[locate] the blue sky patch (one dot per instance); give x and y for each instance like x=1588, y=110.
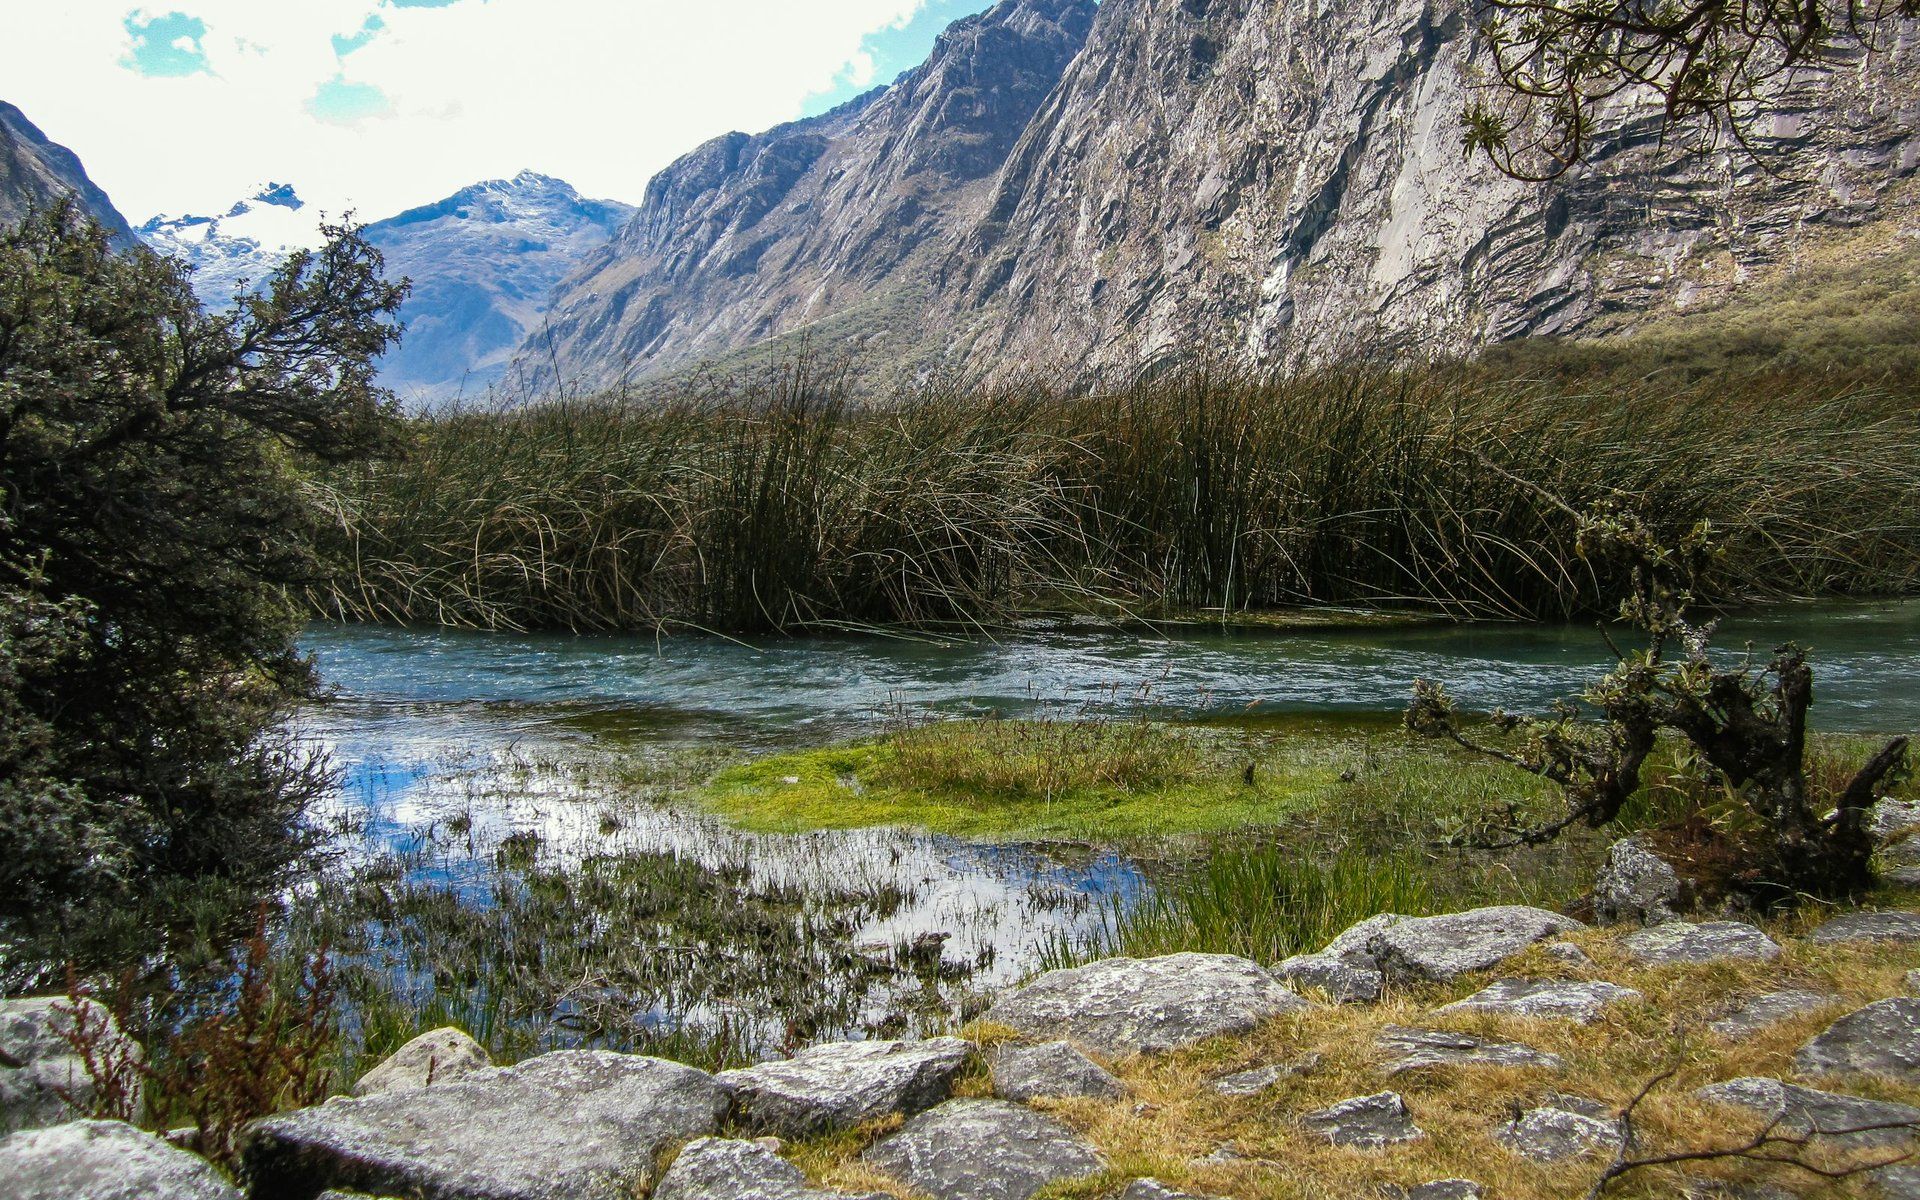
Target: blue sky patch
x=896, y=51
x=167, y=45
x=342, y=101
x=346, y=44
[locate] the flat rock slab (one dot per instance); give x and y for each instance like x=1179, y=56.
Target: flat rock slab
x=104, y=1160
x=1566, y=1000
x=1801, y=1112
x=1153, y=1189
x=1893, y=926
x=1121, y=1006
x=39, y=1070
x=1446, y=947
x=839, y=1084
x=1771, y=1008
x=1342, y=980
x=983, y=1150
x=436, y=1057
x=1368, y=1122
x=1242, y=1084
x=1880, y=1039
x=572, y=1125
x=1410, y=1049
x=1709, y=941
x=1050, y=1069
x=1898, y=1182
x=1439, y=1189
x=1556, y=1132
x=1890, y=816
x=725, y=1169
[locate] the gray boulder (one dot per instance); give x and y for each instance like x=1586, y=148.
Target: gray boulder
x=1120, y=1006
x=572, y=1125
x=1895, y=926
x=943, y=1152
x=1568, y=955
x=1565, y=1127
x=38, y=1066
x=1899, y=862
x=1343, y=980
x=1446, y=947
x=1411, y=1049
x=1880, y=1039
x=1898, y=1182
x=1368, y=1122
x=1050, y=1069
x=1153, y=1189
x=436, y=1057
x=104, y=1160
x=1709, y=941
x=1801, y=1112
x=1891, y=816
x=724, y=1169
x=1255, y=1080
x=1771, y=1008
x=1635, y=884
x=1911, y=980
x=839, y=1084
x=1444, y=1189
x=1543, y=998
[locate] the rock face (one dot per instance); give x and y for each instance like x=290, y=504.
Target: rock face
x=1636, y=884
x=1444, y=948
x=1410, y=1049
x=104, y=1160
x=484, y=263
x=840, y=1084
x=1711, y=941
x=1869, y=926
x=35, y=170
x=940, y=1154
x=437, y=1057
x=1060, y=187
x=1050, y=1069
x=1880, y=1039
x=1369, y=1122
x=1847, y=1120
x=38, y=1067
x=721, y=1169
x=1538, y=998
x=572, y=1125
x=1121, y=1006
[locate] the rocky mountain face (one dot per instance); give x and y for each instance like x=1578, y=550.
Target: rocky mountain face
x=239, y=248
x=483, y=262
x=834, y=223
x=35, y=170
x=1089, y=190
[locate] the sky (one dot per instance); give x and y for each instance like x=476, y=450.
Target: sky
x=375, y=106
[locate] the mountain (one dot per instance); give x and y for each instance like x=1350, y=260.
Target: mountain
x=483, y=263
x=241, y=247
x=1087, y=190
x=830, y=224
x=35, y=170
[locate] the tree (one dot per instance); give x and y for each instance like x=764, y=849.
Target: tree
x=1714, y=66
x=1747, y=725
x=152, y=519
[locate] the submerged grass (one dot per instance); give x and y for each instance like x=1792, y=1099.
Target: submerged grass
x=783, y=506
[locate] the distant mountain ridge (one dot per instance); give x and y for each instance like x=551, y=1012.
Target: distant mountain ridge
x=35, y=170
x=241, y=247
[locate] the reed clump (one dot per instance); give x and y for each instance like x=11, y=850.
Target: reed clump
x=785, y=507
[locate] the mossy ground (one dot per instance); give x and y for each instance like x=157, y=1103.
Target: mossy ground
x=1170, y=1117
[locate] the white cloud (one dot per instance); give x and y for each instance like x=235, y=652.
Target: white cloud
x=602, y=93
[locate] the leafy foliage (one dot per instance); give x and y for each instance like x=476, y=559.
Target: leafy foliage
x=152, y=516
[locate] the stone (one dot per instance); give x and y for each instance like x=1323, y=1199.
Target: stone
x=38, y=1067
x=1343, y=981
x=1153, y=1189
x=435, y=1057
x=1251, y=1082
x=1369, y=1122
x=1771, y=1008
x=1050, y=1069
x=840, y=1084
x=1636, y=884
x=1891, y=816
x=1912, y=981
x=725, y=1169
x=1444, y=948
x=1881, y=1039
x=1120, y=1006
x=571, y=1125
x=1850, y=1121
x=1446, y=1189
x=1543, y=998
x=1567, y=955
x=1728, y=1189
x=1709, y=941
x=1898, y=1182
x=939, y=1153
x=1410, y=1049
x=1566, y=1127
x=1868, y=927
x=104, y=1160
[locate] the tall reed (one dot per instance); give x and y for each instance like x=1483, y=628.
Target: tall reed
x=782, y=506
